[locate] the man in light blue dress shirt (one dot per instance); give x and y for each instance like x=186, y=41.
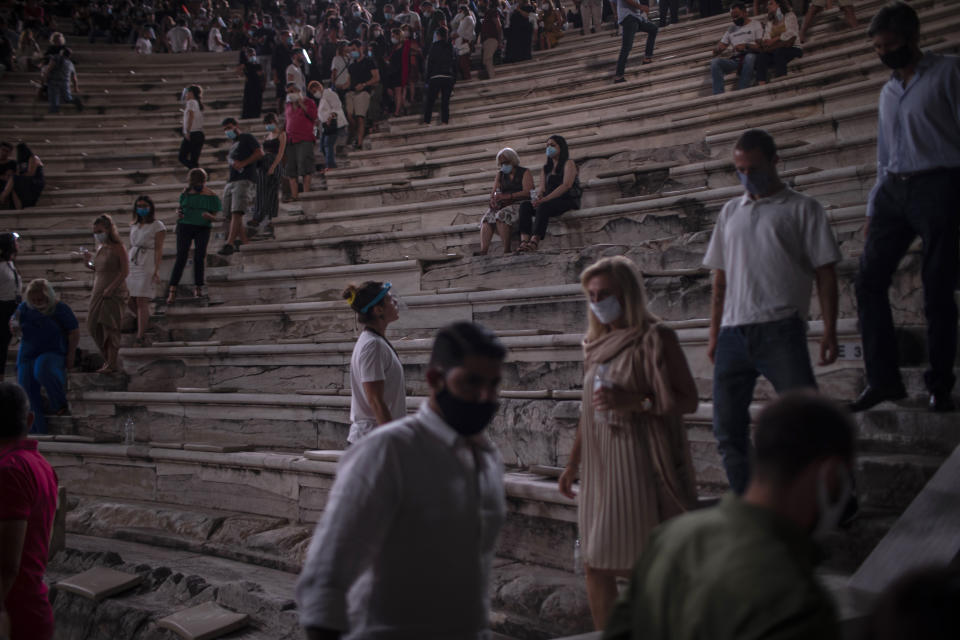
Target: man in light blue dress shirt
x=917, y=194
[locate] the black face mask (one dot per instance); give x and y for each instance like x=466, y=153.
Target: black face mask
x=898, y=58
x=466, y=418
x=738, y=21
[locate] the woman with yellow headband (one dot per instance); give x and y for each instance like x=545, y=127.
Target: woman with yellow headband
x=376, y=375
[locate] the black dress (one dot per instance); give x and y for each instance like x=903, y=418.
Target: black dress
x=519, y=36
x=252, y=90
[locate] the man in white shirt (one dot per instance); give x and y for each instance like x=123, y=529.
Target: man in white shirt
x=405, y=545
x=294, y=72
x=179, y=38
x=767, y=248
x=743, y=39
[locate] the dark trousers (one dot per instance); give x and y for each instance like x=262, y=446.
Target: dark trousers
x=444, y=87
x=671, y=6
x=630, y=26
x=776, y=350
x=534, y=222
x=7, y=307
x=190, y=150
x=463, y=62
x=710, y=8
x=777, y=59
x=200, y=237
x=928, y=206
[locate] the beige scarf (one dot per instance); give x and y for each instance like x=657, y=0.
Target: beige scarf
x=636, y=361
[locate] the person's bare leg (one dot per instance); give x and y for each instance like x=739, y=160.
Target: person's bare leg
x=486, y=234
x=294, y=192
x=360, y=125
x=504, y=231
x=17, y=204
x=306, y=183
x=7, y=191
x=808, y=21
x=851, y=16
x=601, y=595
x=143, y=316
x=241, y=228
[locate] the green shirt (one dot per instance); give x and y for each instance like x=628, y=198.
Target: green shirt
x=194, y=205
x=735, y=571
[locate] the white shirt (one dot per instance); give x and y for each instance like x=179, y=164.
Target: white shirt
x=329, y=104
x=194, y=106
x=144, y=46
x=295, y=75
x=214, y=39
x=406, y=542
x=180, y=39
x=10, y=282
x=373, y=359
x=747, y=34
x=769, y=249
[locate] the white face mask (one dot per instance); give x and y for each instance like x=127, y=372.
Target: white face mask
x=318, y=94
x=830, y=513
x=101, y=238
x=293, y=97
x=607, y=310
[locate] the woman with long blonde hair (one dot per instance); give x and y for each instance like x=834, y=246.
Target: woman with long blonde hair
x=111, y=268
x=631, y=448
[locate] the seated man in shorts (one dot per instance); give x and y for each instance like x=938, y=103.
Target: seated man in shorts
x=363, y=76
x=240, y=194
x=816, y=7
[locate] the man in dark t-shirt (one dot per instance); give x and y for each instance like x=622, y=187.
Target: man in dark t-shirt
x=240, y=194
x=364, y=75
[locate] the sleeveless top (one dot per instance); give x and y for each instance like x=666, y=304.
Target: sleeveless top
x=511, y=184
x=271, y=146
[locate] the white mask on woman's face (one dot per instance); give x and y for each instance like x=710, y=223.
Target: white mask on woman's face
x=100, y=237
x=608, y=310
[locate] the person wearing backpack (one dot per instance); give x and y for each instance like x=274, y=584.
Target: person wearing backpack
x=440, y=76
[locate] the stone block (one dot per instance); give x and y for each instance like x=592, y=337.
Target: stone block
x=204, y=622
x=99, y=583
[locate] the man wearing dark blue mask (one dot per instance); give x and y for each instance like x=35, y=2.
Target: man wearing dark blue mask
x=767, y=249
x=406, y=541
x=916, y=194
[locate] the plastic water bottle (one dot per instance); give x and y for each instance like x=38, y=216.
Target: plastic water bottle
x=577, y=558
x=600, y=381
x=128, y=431
x=533, y=195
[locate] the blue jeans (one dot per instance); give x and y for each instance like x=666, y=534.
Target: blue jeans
x=720, y=67
x=58, y=95
x=630, y=26
x=328, y=142
x=48, y=370
x=778, y=351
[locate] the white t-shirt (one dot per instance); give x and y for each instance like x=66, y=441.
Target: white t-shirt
x=180, y=39
x=144, y=46
x=10, y=282
x=214, y=39
x=373, y=359
x=747, y=34
x=295, y=75
x=769, y=249
x=194, y=106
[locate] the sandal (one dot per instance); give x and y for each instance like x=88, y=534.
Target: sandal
x=524, y=246
x=533, y=244
x=172, y=296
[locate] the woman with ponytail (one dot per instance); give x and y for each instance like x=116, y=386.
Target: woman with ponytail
x=199, y=207
x=376, y=375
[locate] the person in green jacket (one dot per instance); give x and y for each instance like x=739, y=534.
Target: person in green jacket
x=198, y=209
x=744, y=569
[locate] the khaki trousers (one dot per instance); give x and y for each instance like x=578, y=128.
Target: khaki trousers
x=490, y=46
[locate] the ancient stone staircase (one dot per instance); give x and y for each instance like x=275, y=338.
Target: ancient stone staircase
x=231, y=398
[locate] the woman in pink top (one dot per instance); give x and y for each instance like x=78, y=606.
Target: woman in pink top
x=28, y=486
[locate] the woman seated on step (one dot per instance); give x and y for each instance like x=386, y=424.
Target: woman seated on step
x=23, y=189
x=111, y=267
x=511, y=187
x=631, y=448
x=378, y=391
x=48, y=343
x=199, y=207
x=561, y=192
x=146, y=253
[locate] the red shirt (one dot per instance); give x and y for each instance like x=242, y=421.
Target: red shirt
x=300, y=121
x=28, y=491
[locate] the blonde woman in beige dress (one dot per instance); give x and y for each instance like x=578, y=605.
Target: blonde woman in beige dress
x=111, y=268
x=631, y=449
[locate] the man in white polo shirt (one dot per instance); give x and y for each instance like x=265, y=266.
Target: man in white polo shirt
x=768, y=247
x=743, y=41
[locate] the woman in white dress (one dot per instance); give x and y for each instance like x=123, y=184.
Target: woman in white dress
x=378, y=390
x=146, y=253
